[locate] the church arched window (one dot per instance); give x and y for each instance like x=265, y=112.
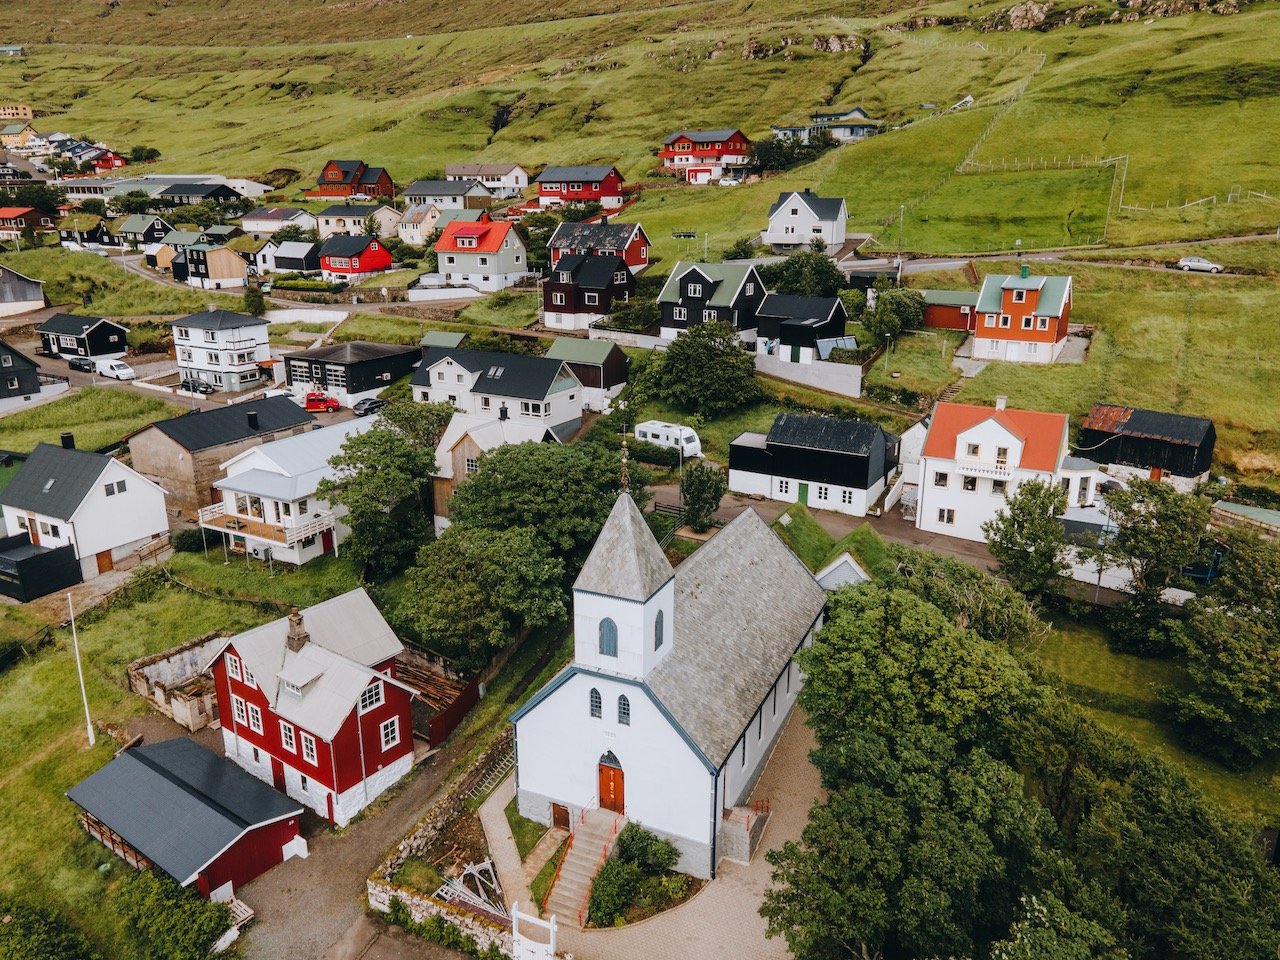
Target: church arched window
x=624, y=711
x=608, y=638
x=597, y=705
x=657, y=631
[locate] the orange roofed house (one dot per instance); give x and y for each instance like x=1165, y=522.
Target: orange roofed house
x=975, y=457
x=487, y=255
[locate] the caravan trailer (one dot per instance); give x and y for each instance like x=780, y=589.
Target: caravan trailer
x=673, y=435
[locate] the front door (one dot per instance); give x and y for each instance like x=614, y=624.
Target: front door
x=33, y=529
x=326, y=541
x=795, y=354
x=804, y=494
x=560, y=816
x=104, y=561
x=277, y=774
x=611, y=793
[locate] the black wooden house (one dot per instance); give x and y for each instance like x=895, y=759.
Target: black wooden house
x=795, y=322
x=66, y=335
x=349, y=371
x=19, y=375
x=1163, y=443
x=697, y=293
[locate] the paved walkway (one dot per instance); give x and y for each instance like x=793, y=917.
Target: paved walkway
x=502, y=845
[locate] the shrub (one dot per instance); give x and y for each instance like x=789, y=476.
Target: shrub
x=308, y=284
x=614, y=889
x=675, y=886
x=32, y=932
x=187, y=541
x=652, y=855
x=169, y=921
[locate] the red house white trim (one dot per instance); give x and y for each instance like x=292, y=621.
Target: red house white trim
x=588, y=184
x=704, y=156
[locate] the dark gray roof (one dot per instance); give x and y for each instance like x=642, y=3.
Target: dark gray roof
x=67, y=324
x=501, y=374
x=195, y=189
x=825, y=208
x=797, y=308
x=626, y=560
x=219, y=320
x=443, y=188
x=179, y=805
x=350, y=210
x=587, y=173
x=593, y=236
x=349, y=170
x=54, y=481
x=702, y=136
x=353, y=352
x=341, y=245
x=212, y=428
x=1150, y=424
x=592, y=272
x=19, y=359
x=828, y=433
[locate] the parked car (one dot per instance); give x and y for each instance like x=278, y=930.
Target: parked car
x=83, y=364
x=197, y=386
x=320, y=403
x=729, y=181
x=116, y=369
x=674, y=435
x=1199, y=263
x=361, y=196
x=369, y=405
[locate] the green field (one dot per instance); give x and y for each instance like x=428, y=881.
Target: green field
x=98, y=416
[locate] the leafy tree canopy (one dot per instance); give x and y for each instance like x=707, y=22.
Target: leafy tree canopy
x=706, y=371
x=702, y=487
x=1028, y=539
x=806, y=274
x=32, y=932
x=170, y=922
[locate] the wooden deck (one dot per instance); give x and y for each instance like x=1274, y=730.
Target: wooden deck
x=245, y=527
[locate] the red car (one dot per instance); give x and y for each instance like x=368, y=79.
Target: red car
x=320, y=403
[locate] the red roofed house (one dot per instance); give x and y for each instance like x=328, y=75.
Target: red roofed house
x=314, y=707
x=487, y=254
x=14, y=220
x=344, y=259
x=1021, y=318
x=598, y=184
x=975, y=457
x=352, y=178
x=704, y=156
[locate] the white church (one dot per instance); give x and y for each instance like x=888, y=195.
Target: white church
x=680, y=682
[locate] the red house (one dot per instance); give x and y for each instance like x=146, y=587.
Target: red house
x=344, y=258
x=351, y=178
x=949, y=309
x=178, y=808
x=314, y=707
x=108, y=160
x=14, y=220
x=1023, y=318
x=602, y=239
x=704, y=156
x=560, y=185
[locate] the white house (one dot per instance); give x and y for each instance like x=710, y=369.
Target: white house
x=106, y=510
x=419, y=223
x=349, y=219
x=499, y=386
x=264, y=221
x=680, y=683
x=798, y=218
x=267, y=502
x=487, y=255
x=502, y=180
x=448, y=194
x=974, y=458
x=223, y=348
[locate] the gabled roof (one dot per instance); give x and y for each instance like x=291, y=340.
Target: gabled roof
x=1149, y=424
x=626, y=560
x=203, y=429
x=178, y=804
x=1042, y=434
x=798, y=308
x=219, y=320
x=195, y=189
x=138, y=223
x=588, y=174
x=418, y=213
x=8, y=213
x=79, y=221
x=702, y=136
x=514, y=375
x=354, y=209
x=273, y=213
x=354, y=351
x=824, y=208
x=834, y=434
x=727, y=277
x=1054, y=292
x=181, y=238
x=54, y=481
x=341, y=245
x=296, y=250
x=352, y=172
x=444, y=188
x=487, y=434
x=442, y=338
x=291, y=468
x=347, y=638
x=17, y=359
x=70, y=325
x=593, y=236
x=479, y=169
x=573, y=350
x=591, y=272
x=489, y=235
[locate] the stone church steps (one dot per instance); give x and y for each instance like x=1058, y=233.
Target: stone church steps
x=581, y=865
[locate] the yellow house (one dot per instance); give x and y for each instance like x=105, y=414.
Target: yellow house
x=16, y=134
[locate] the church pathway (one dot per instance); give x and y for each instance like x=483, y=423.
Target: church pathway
x=502, y=845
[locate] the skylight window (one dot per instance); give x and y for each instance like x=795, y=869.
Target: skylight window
x=496, y=372
x=48, y=484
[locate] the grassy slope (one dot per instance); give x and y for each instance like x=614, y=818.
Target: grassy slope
x=96, y=415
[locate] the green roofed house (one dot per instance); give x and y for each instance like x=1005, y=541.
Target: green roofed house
x=441, y=338
x=1022, y=318
x=704, y=292
x=141, y=229
x=601, y=365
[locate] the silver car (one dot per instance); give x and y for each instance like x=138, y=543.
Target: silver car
x=1199, y=263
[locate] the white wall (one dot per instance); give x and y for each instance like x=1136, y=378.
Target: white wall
x=787, y=490
x=122, y=520
x=1015, y=351
x=635, y=622
x=738, y=777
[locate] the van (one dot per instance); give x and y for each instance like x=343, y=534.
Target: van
x=116, y=370
x=673, y=435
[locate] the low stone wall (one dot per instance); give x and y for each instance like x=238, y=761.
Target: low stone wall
x=484, y=931
x=628, y=339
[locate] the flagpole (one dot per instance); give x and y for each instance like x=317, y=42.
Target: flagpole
x=84, y=696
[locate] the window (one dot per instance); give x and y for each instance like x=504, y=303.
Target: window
x=608, y=638
x=1026, y=323
x=679, y=313
x=390, y=733
x=308, y=748
x=743, y=761
x=824, y=493
x=998, y=487
x=972, y=450
x=695, y=290
x=657, y=630
x=620, y=277
x=970, y=483
x=591, y=298
x=484, y=261
x=558, y=299
x=371, y=696
x=485, y=402
x=255, y=718
x=946, y=515
x=286, y=737
x=784, y=486
x=305, y=783
x=1004, y=321
x=1019, y=296
x=233, y=666
x=49, y=529
x=940, y=479
x=1033, y=349
x=210, y=337
x=440, y=375
x=708, y=316
x=22, y=523
x=990, y=320
x=248, y=677
x=6, y=360
x=472, y=465
x=184, y=333
x=846, y=497
x=597, y=707
x=237, y=708
x=750, y=289
x=624, y=711
x=1002, y=456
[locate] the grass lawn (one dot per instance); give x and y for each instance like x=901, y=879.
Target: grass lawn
x=245, y=577
x=392, y=280
x=418, y=874
x=98, y=416
x=804, y=535
x=1252, y=256
x=527, y=832
x=514, y=310
x=924, y=361
x=385, y=328
x=541, y=884
x=865, y=546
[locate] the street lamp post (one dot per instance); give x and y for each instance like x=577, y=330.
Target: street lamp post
x=886, y=353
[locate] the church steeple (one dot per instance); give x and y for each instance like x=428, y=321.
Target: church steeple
x=626, y=560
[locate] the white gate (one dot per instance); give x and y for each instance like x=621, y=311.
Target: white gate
x=526, y=948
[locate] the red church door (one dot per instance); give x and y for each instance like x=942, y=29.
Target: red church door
x=326, y=541
x=611, y=792
x=277, y=774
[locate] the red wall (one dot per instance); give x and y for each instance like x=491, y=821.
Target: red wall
x=251, y=856
x=610, y=186
x=946, y=317
x=1017, y=312
x=367, y=728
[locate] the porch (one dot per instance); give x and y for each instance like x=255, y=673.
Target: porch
x=216, y=518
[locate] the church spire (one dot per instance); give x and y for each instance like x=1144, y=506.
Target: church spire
x=626, y=480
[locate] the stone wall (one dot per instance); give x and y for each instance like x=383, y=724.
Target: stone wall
x=420, y=906
x=154, y=677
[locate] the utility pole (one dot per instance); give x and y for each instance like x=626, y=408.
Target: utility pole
x=902, y=212
x=84, y=696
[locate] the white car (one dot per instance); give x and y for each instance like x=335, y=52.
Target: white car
x=1199, y=263
x=729, y=182
x=115, y=369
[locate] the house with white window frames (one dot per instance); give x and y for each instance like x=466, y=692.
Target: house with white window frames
x=222, y=348
x=798, y=218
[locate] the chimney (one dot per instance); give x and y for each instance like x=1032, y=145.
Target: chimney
x=252, y=417
x=297, y=636
x=502, y=412
x=1025, y=271
x=1001, y=402
x=68, y=441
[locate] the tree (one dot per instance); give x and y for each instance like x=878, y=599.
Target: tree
x=135, y=201
x=637, y=315
x=293, y=232
x=44, y=198
x=141, y=154
x=564, y=493
x=1048, y=930
x=472, y=591
x=1028, y=539
x=168, y=921
x=806, y=274
x=94, y=206
x=371, y=226
x=1157, y=531
x=741, y=249
x=895, y=311
x=254, y=303
x=818, y=245
x=701, y=488
x=706, y=371
x=33, y=932
x=855, y=303
x=423, y=424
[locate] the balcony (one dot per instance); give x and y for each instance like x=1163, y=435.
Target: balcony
x=215, y=517
x=991, y=469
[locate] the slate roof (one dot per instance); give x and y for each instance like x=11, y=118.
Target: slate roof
x=443, y=188
x=70, y=325
x=219, y=320
x=743, y=604
x=592, y=272
x=1054, y=292
x=178, y=804
x=501, y=374
x=592, y=236
x=626, y=560
x=348, y=637
x=824, y=208
x=341, y=245
x=588, y=174
x=836, y=434
x=573, y=350
x=1150, y=424
x=204, y=429
x=798, y=308
x=702, y=136
x=727, y=278
x=354, y=351
x=54, y=481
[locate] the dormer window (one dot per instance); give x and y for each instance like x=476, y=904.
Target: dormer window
x=564, y=276
x=695, y=290
x=1019, y=296
x=292, y=688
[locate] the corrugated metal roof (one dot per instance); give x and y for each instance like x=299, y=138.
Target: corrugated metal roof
x=353, y=351
x=1054, y=292
x=487, y=434
x=1150, y=424
x=573, y=350
x=291, y=468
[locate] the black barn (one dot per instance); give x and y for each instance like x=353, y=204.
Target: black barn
x=1148, y=439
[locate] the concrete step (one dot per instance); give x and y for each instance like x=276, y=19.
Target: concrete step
x=594, y=835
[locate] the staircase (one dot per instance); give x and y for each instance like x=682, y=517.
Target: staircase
x=948, y=394
x=590, y=845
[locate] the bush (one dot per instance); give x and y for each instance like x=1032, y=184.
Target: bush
x=168, y=921
x=308, y=284
x=32, y=932
x=651, y=854
x=187, y=541
x=607, y=435
x=614, y=889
